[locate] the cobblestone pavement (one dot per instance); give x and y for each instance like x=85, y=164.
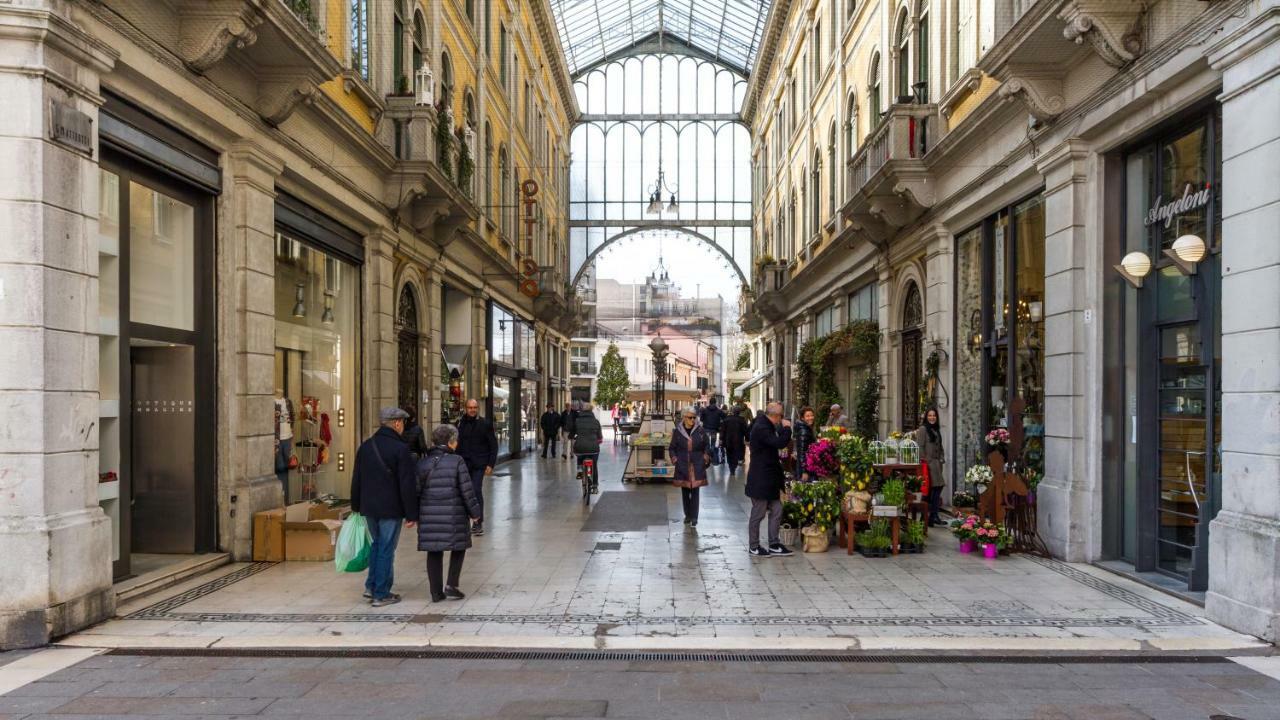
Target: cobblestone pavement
x=117, y=686
x=549, y=571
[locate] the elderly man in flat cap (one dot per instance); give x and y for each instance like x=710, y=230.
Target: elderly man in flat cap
x=384, y=489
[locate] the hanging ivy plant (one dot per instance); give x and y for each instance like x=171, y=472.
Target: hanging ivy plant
x=866, y=408
x=444, y=139
x=816, y=360
x=465, y=165
x=806, y=364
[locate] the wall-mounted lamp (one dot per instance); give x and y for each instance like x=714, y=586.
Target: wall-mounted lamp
x=1133, y=267
x=327, y=316
x=1035, y=309
x=342, y=417
x=342, y=462
x=1186, y=252
x=300, y=306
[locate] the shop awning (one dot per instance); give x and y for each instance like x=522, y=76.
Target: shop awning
x=754, y=381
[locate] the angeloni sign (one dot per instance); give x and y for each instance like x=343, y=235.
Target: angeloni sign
x=1166, y=212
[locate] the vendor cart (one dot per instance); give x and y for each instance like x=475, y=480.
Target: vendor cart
x=647, y=458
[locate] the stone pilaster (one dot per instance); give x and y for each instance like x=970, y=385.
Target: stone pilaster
x=478, y=385
x=246, y=329
x=380, y=318
x=433, y=297
x=939, y=319
x=1244, y=539
x=55, y=541
x=1070, y=515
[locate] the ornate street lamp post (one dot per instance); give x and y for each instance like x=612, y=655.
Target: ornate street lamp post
x=660, y=351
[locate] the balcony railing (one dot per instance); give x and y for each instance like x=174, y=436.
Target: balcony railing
x=583, y=368
x=906, y=132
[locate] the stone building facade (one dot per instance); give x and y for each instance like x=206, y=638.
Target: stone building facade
x=982, y=167
x=231, y=224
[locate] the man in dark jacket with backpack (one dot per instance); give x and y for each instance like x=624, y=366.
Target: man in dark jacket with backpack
x=478, y=446
x=384, y=488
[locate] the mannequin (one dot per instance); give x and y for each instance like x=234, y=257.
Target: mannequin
x=284, y=439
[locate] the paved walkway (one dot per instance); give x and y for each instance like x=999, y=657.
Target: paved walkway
x=119, y=686
x=550, y=572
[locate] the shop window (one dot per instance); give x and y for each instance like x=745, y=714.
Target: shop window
x=161, y=259
x=862, y=303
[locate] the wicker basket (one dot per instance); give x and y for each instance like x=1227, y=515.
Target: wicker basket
x=789, y=536
x=815, y=539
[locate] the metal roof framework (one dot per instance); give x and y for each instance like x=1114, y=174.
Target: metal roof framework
x=593, y=31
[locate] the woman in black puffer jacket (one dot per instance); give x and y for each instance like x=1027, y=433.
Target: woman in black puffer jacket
x=447, y=504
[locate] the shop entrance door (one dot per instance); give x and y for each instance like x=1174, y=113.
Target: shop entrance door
x=912, y=364
x=1182, y=464
x=410, y=370
x=163, y=454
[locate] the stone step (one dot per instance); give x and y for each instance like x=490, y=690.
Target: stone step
x=166, y=577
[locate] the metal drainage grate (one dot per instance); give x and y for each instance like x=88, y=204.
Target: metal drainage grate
x=608, y=546
x=675, y=656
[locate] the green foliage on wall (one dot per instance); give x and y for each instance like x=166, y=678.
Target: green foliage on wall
x=816, y=377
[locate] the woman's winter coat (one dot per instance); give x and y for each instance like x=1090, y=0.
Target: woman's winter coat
x=447, y=502
x=689, y=451
x=765, y=476
x=932, y=454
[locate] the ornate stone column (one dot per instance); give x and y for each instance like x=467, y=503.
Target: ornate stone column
x=380, y=319
x=1244, y=539
x=55, y=541
x=246, y=327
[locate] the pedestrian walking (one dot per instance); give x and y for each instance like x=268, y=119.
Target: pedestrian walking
x=587, y=436
x=765, y=479
x=933, y=455
x=733, y=438
x=837, y=418
x=478, y=447
x=550, y=424
x=384, y=489
x=689, y=449
x=566, y=427
x=413, y=433
x=712, y=417
x=805, y=433
x=447, y=505
x=616, y=415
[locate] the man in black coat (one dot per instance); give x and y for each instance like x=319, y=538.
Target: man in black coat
x=712, y=417
x=765, y=479
x=478, y=447
x=733, y=438
x=568, y=421
x=550, y=424
x=384, y=488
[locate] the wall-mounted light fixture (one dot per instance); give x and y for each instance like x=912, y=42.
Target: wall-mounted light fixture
x=1133, y=267
x=300, y=306
x=342, y=462
x=342, y=417
x=1186, y=252
x=327, y=316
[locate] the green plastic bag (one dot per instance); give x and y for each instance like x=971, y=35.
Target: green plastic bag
x=354, y=542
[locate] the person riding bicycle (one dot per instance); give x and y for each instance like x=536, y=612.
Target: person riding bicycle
x=587, y=436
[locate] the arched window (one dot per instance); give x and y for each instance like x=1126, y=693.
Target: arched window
x=922, y=50
x=398, y=75
x=469, y=108
x=792, y=229
x=408, y=349
x=873, y=92
x=851, y=126
x=419, y=40
x=912, y=308
x=446, y=80
x=902, y=61
x=488, y=168
x=504, y=186
x=912, y=344
x=815, y=194
x=831, y=174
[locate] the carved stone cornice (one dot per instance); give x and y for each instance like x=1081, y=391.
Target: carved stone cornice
x=279, y=96
x=966, y=85
x=211, y=30
x=1113, y=28
x=1038, y=89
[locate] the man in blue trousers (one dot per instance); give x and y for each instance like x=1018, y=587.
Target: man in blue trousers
x=384, y=488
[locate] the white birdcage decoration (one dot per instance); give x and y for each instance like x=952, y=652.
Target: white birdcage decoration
x=877, y=452
x=908, y=452
x=426, y=82
x=891, y=450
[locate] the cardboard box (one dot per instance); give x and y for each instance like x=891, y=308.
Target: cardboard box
x=320, y=511
x=310, y=541
x=298, y=512
x=268, y=536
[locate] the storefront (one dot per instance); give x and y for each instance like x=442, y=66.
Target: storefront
x=1000, y=325
x=317, y=356
x=513, y=381
x=1162, y=388
x=157, y=189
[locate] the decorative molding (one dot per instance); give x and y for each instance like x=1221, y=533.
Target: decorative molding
x=207, y=37
x=1039, y=90
x=1113, y=29
x=963, y=87
x=278, y=98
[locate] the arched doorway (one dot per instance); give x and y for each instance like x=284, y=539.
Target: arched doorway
x=408, y=339
x=912, y=360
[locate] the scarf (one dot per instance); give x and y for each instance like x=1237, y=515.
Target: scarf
x=935, y=432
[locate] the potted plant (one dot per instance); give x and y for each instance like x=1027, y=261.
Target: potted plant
x=793, y=518
x=964, y=529
x=915, y=487
x=402, y=86
x=979, y=477
x=874, y=542
x=820, y=503
x=764, y=260
x=998, y=440
x=913, y=537
x=891, y=498
x=821, y=460
x=992, y=537
x=962, y=500
x=856, y=463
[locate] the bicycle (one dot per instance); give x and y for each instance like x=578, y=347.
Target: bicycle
x=587, y=476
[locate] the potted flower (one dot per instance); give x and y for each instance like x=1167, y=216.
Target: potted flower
x=979, y=477
x=820, y=503
x=856, y=464
x=998, y=440
x=964, y=530
x=793, y=518
x=992, y=537
x=821, y=460
x=875, y=542
x=1033, y=479
x=915, y=486
x=913, y=537
x=962, y=500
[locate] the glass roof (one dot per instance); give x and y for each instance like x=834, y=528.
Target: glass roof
x=726, y=30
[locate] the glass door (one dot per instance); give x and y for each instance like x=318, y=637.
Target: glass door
x=1181, y=446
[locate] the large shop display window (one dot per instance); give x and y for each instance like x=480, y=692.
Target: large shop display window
x=317, y=367
x=1000, y=313
x=1165, y=399
x=513, y=380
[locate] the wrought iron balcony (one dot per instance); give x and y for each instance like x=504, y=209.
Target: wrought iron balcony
x=421, y=183
x=887, y=182
x=768, y=301
x=583, y=368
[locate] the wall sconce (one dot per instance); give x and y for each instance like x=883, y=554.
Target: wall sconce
x=1186, y=253
x=327, y=316
x=1133, y=267
x=1035, y=309
x=975, y=331
x=342, y=462
x=342, y=417
x=300, y=307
